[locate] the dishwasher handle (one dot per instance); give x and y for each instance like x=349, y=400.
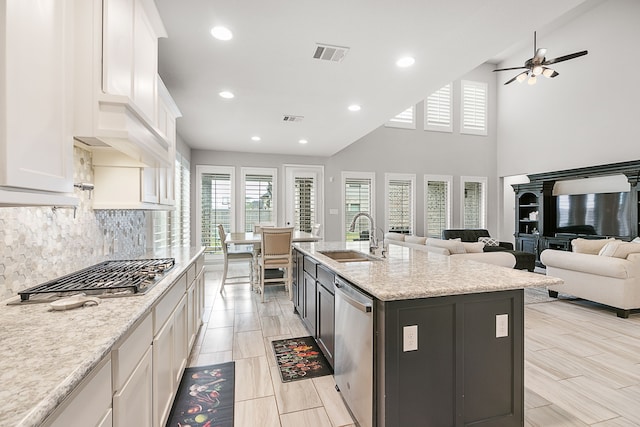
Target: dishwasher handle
x=364, y=307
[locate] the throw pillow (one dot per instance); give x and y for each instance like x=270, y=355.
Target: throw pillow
x=489, y=241
x=475, y=247
x=636, y=240
x=620, y=249
x=454, y=246
x=589, y=246
x=415, y=239
x=394, y=236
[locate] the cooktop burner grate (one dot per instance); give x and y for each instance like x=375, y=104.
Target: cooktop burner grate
x=136, y=276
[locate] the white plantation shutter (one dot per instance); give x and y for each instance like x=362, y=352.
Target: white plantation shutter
x=437, y=204
x=357, y=198
x=399, y=204
x=406, y=119
x=474, y=108
x=180, y=217
x=437, y=110
x=474, y=203
x=305, y=216
x=216, y=208
x=258, y=201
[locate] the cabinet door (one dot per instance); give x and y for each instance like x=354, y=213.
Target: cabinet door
x=133, y=405
x=150, y=185
x=117, y=47
x=181, y=341
x=145, y=62
x=163, y=380
x=326, y=322
x=309, y=303
x=192, y=307
x=36, y=139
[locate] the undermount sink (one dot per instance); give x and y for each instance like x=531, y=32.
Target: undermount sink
x=348, y=255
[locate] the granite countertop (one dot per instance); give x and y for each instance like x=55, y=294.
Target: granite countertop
x=46, y=353
x=410, y=274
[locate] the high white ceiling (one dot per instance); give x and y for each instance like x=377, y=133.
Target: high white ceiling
x=269, y=63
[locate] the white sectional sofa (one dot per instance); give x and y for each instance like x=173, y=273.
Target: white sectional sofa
x=604, y=271
x=462, y=250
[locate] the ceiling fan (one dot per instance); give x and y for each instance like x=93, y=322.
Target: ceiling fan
x=538, y=65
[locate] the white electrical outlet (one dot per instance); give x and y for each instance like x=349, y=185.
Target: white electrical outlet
x=333, y=211
x=410, y=338
x=502, y=325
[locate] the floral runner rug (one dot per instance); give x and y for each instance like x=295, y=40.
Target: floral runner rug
x=205, y=397
x=300, y=358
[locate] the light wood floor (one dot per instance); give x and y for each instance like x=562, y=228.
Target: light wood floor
x=582, y=363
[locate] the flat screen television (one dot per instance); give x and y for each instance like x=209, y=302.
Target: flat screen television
x=602, y=214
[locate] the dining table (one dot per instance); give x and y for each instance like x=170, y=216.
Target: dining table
x=255, y=239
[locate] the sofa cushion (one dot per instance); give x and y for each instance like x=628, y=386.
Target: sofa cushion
x=466, y=234
x=488, y=241
x=589, y=263
x=415, y=239
x=589, y=246
x=472, y=248
x=395, y=236
x=454, y=246
x=619, y=249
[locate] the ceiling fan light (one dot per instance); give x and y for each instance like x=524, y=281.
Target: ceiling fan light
x=548, y=72
x=532, y=80
x=521, y=77
x=537, y=70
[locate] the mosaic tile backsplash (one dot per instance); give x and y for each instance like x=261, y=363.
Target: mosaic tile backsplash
x=38, y=244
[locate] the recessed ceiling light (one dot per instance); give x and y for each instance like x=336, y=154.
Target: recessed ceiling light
x=405, y=62
x=221, y=33
x=354, y=107
x=255, y=138
x=226, y=94
x=303, y=141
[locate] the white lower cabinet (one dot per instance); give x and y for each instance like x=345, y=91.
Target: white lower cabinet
x=89, y=404
x=163, y=382
x=181, y=342
x=133, y=405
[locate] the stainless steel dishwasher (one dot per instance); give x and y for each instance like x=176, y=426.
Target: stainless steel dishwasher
x=353, y=359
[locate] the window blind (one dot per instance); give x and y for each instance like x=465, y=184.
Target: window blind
x=216, y=208
x=400, y=205
x=180, y=217
x=258, y=190
x=405, y=119
x=474, y=108
x=305, y=216
x=437, y=210
x=438, y=107
x=357, y=195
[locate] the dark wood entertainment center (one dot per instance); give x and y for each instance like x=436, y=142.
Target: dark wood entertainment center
x=535, y=234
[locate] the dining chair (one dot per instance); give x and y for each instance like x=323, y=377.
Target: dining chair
x=257, y=228
x=276, y=252
x=234, y=255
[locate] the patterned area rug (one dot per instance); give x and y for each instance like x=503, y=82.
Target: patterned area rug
x=537, y=295
x=300, y=358
x=205, y=397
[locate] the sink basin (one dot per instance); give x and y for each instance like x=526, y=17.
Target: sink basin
x=348, y=255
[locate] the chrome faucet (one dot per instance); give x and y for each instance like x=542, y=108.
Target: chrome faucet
x=373, y=242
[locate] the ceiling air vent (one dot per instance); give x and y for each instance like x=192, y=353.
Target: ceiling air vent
x=327, y=52
x=291, y=118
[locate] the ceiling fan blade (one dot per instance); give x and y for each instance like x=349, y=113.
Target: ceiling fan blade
x=549, y=73
x=512, y=68
x=565, y=58
x=539, y=56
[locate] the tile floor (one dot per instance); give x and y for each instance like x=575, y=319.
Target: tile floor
x=582, y=363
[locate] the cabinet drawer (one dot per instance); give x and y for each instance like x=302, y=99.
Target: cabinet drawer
x=199, y=264
x=168, y=303
x=310, y=265
x=127, y=356
x=325, y=278
x=191, y=274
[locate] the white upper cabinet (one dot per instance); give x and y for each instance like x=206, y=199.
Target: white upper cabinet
x=36, y=76
x=116, y=95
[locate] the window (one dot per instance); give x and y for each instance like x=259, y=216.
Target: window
x=180, y=217
x=216, y=203
x=405, y=120
x=437, y=204
x=259, y=187
x=474, y=108
x=358, y=190
x=437, y=110
x=304, y=204
x=474, y=201
x=399, y=203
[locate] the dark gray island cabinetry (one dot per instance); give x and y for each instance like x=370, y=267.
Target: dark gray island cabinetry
x=448, y=335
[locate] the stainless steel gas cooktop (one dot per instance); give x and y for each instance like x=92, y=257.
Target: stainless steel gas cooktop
x=108, y=278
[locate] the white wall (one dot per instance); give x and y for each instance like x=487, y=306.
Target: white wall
x=585, y=116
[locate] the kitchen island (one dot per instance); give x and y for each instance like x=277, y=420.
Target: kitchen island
x=46, y=354
x=447, y=335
